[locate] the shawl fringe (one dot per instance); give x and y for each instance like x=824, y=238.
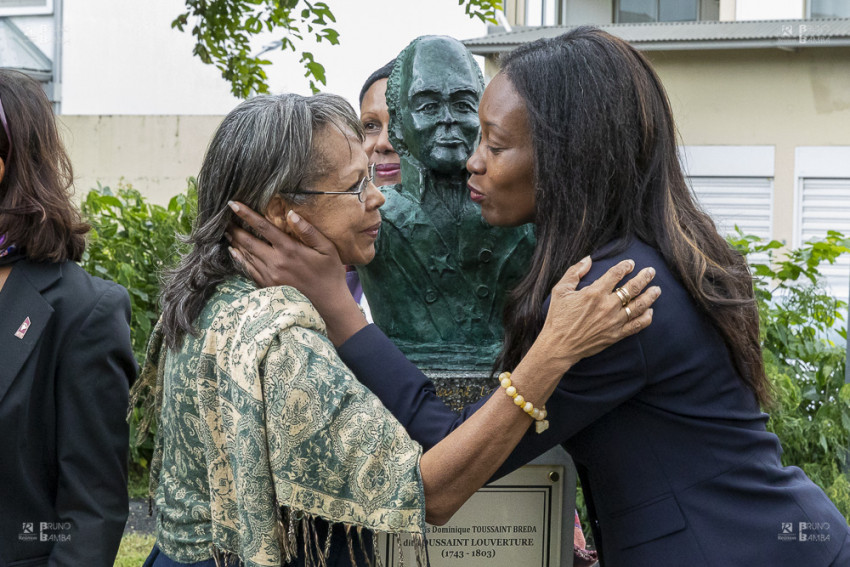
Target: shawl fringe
x=291, y=523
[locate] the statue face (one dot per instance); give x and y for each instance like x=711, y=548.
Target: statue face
x=439, y=103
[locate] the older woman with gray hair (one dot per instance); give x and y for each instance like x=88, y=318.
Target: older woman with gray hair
x=268, y=451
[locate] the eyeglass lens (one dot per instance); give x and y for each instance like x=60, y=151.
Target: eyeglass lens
x=364, y=183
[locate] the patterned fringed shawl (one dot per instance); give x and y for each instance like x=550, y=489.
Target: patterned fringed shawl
x=262, y=429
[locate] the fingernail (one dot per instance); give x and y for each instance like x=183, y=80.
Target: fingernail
x=652, y=272
x=632, y=264
x=656, y=291
x=228, y=237
x=232, y=252
x=294, y=216
x=233, y=206
x=651, y=312
x=585, y=260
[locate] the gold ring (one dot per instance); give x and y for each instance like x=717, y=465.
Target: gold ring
x=624, y=296
x=628, y=312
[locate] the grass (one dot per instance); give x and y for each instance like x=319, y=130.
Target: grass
x=134, y=549
x=137, y=482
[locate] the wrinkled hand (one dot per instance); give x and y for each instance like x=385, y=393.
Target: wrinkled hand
x=582, y=323
x=312, y=266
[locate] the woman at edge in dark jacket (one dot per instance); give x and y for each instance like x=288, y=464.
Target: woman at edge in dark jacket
x=66, y=356
x=665, y=427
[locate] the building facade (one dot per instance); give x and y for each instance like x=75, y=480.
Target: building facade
x=761, y=96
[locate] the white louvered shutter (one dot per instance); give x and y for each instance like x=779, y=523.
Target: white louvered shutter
x=826, y=206
x=743, y=201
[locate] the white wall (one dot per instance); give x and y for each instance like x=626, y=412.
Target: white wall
x=122, y=57
x=594, y=12
x=769, y=9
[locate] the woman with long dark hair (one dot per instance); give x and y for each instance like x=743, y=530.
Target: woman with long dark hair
x=665, y=427
x=65, y=356
x=268, y=451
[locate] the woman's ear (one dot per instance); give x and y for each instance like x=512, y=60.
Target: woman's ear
x=276, y=213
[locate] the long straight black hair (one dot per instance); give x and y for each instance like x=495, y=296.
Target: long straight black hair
x=607, y=170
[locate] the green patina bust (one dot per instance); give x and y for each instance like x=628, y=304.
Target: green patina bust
x=438, y=282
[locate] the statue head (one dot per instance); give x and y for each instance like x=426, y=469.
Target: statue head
x=432, y=95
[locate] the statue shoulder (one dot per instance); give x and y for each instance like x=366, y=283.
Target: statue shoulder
x=400, y=205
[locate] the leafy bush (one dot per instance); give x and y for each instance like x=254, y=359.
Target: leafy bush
x=132, y=241
x=799, y=324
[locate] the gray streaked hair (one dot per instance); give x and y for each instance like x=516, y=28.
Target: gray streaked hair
x=264, y=147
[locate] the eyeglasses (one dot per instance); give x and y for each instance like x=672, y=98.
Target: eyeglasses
x=361, y=187
x=6, y=129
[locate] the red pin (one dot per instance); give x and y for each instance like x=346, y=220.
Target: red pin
x=22, y=330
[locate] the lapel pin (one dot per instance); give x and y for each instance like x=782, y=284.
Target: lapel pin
x=22, y=330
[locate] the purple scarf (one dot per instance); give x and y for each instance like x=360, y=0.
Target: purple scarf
x=9, y=254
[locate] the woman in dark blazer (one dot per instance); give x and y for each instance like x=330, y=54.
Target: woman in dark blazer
x=65, y=357
x=665, y=426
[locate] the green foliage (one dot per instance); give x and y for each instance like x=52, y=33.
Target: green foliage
x=799, y=324
x=132, y=241
x=223, y=30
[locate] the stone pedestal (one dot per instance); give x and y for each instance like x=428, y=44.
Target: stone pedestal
x=528, y=513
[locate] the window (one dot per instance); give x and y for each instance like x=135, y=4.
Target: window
x=25, y=7
x=734, y=185
x=641, y=11
x=829, y=9
x=543, y=12
x=745, y=202
x=823, y=203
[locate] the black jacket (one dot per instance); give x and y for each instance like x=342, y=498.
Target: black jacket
x=676, y=464
x=63, y=403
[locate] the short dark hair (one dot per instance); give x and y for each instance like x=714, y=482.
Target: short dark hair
x=382, y=73
x=37, y=214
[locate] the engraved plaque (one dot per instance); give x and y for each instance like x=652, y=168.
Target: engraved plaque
x=516, y=520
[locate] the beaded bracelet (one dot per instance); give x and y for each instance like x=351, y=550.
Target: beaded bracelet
x=541, y=423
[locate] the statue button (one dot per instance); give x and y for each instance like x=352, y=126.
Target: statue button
x=430, y=296
x=485, y=255
x=482, y=291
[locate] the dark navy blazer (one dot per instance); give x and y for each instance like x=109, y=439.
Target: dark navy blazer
x=63, y=407
x=671, y=446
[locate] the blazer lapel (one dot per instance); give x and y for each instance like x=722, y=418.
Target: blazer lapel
x=21, y=301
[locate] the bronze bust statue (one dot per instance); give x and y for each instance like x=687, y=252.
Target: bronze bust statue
x=440, y=275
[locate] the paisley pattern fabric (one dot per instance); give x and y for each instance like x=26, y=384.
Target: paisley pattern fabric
x=262, y=428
